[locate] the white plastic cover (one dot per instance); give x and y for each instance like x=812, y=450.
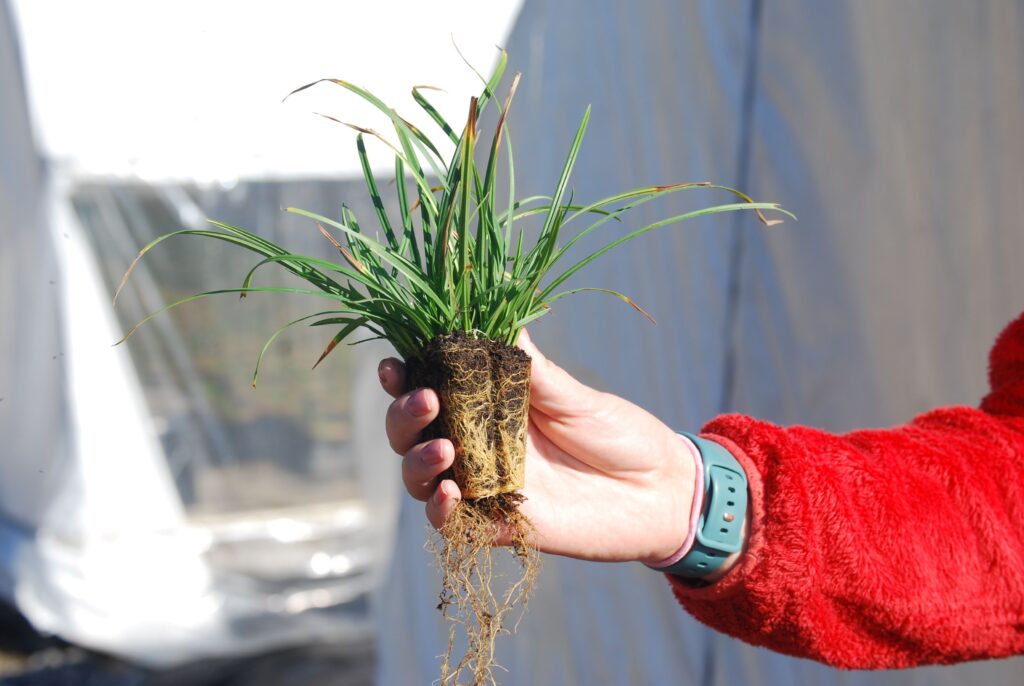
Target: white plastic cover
x=152, y=505
x=895, y=131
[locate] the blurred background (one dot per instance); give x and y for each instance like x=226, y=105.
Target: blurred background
x=162, y=522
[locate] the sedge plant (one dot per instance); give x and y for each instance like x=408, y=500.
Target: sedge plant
x=450, y=284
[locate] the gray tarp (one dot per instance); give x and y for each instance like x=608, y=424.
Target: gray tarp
x=895, y=131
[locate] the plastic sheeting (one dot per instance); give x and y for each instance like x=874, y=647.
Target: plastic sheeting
x=152, y=505
x=206, y=80
x=34, y=436
x=895, y=131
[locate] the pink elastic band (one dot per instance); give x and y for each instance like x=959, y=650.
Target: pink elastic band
x=695, y=508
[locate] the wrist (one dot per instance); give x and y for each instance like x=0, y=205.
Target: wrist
x=721, y=531
x=682, y=518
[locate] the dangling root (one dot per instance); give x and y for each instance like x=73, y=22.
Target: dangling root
x=484, y=388
x=475, y=595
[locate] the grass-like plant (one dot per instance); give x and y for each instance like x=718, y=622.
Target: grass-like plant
x=454, y=279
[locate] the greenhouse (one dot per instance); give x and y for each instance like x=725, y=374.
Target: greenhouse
x=815, y=202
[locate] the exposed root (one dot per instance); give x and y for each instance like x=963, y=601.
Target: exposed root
x=484, y=387
x=477, y=598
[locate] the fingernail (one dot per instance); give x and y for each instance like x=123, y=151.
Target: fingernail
x=382, y=370
x=418, y=404
x=448, y=488
x=433, y=455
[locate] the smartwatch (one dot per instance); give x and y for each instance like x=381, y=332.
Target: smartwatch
x=720, y=526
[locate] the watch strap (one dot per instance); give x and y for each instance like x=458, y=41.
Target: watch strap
x=720, y=526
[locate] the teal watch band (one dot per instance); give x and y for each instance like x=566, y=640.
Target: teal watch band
x=720, y=527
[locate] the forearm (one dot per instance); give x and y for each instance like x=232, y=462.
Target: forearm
x=879, y=548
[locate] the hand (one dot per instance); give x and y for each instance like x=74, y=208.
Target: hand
x=605, y=480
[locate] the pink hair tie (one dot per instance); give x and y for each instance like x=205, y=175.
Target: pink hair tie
x=695, y=508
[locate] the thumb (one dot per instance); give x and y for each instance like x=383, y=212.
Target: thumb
x=553, y=390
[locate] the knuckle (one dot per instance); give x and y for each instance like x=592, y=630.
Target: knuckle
x=434, y=515
x=412, y=467
x=397, y=426
x=394, y=440
x=417, y=479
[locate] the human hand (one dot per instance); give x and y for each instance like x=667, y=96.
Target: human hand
x=605, y=480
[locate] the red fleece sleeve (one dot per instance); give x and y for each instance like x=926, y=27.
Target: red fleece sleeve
x=882, y=549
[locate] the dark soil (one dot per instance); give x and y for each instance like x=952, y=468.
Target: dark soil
x=484, y=387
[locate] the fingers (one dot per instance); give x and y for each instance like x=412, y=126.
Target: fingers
x=423, y=464
x=443, y=503
x=392, y=376
x=408, y=416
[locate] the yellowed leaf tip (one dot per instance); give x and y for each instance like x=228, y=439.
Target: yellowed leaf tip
x=327, y=351
x=344, y=252
x=640, y=310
